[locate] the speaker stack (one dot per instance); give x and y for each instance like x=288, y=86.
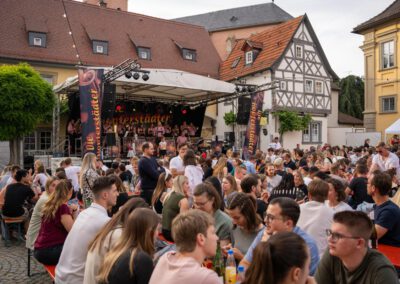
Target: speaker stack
x=109, y=98
x=244, y=106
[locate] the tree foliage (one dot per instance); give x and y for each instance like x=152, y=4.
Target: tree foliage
x=25, y=100
x=351, y=99
x=230, y=118
x=292, y=121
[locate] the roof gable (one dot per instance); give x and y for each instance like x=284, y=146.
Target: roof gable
x=390, y=13
x=249, y=16
x=274, y=40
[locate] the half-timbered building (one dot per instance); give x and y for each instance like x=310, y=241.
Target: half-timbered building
x=290, y=58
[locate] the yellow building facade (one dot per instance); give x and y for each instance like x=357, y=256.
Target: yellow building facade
x=381, y=68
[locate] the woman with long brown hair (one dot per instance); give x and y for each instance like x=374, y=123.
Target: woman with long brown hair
x=283, y=259
x=57, y=221
x=164, y=183
x=130, y=261
x=106, y=239
x=220, y=169
x=229, y=186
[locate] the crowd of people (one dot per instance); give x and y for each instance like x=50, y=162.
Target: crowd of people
x=300, y=216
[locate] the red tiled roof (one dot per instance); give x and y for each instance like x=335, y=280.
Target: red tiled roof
x=390, y=13
x=274, y=42
x=90, y=22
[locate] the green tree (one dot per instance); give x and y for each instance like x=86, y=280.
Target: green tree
x=25, y=101
x=291, y=121
x=351, y=99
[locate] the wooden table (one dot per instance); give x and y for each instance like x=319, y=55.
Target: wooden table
x=392, y=253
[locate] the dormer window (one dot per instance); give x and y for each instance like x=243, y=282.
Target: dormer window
x=37, y=39
x=100, y=47
x=189, y=54
x=144, y=53
x=236, y=62
x=249, y=57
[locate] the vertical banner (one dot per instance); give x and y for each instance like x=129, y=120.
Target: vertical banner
x=253, y=127
x=90, y=89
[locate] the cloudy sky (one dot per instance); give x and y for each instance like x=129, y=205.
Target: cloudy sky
x=332, y=20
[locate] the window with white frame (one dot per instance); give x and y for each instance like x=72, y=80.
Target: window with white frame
x=48, y=78
x=309, y=86
x=312, y=134
x=387, y=54
x=189, y=54
x=283, y=85
x=249, y=57
x=100, y=47
x=319, y=87
x=388, y=104
x=299, y=51
x=44, y=140
x=37, y=39
x=144, y=53
x=30, y=142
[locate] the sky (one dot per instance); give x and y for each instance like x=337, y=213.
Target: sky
x=332, y=20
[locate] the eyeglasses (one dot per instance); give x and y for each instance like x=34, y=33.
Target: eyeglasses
x=337, y=236
x=270, y=218
x=200, y=204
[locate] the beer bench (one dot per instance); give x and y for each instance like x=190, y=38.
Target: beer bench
x=392, y=253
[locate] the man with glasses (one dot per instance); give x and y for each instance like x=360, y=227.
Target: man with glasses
x=385, y=160
x=176, y=164
x=282, y=215
x=348, y=258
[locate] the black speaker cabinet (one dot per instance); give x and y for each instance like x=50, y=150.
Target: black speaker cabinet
x=110, y=139
x=109, y=97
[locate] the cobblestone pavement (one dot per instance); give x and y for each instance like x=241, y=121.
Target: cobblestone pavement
x=13, y=266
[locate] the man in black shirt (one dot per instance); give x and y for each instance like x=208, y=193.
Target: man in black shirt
x=149, y=171
x=251, y=185
x=288, y=162
x=16, y=194
x=358, y=187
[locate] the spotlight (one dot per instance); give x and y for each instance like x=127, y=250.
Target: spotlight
x=237, y=89
x=184, y=111
x=244, y=89
x=251, y=89
x=145, y=77
x=128, y=75
x=136, y=76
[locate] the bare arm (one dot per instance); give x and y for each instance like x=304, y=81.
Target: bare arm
x=67, y=221
x=183, y=205
x=380, y=231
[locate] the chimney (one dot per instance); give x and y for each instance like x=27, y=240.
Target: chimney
x=113, y=4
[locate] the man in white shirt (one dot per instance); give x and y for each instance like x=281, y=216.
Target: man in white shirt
x=275, y=144
x=72, y=173
x=176, y=164
x=71, y=266
x=195, y=239
x=315, y=216
x=385, y=160
x=273, y=180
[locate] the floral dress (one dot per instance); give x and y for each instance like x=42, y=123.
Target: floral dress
x=87, y=184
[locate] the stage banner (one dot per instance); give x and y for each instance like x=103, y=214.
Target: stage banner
x=90, y=89
x=253, y=127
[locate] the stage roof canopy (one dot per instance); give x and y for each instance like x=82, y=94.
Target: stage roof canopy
x=164, y=85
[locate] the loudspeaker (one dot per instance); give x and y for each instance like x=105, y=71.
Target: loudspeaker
x=109, y=97
x=230, y=136
x=110, y=139
x=244, y=106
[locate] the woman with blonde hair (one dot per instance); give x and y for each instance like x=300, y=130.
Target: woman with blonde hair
x=40, y=176
x=107, y=238
x=87, y=178
x=36, y=219
x=220, y=169
x=57, y=221
x=131, y=259
x=175, y=202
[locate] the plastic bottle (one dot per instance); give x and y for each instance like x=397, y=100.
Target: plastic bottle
x=240, y=275
x=230, y=269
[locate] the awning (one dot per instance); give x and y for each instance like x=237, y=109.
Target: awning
x=394, y=128
x=164, y=85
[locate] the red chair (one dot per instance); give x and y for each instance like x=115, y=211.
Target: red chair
x=392, y=253
x=51, y=270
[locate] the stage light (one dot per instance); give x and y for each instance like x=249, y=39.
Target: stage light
x=184, y=111
x=128, y=75
x=118, y=108
x=145, y=77
x=136, y=76
x=237, y=89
